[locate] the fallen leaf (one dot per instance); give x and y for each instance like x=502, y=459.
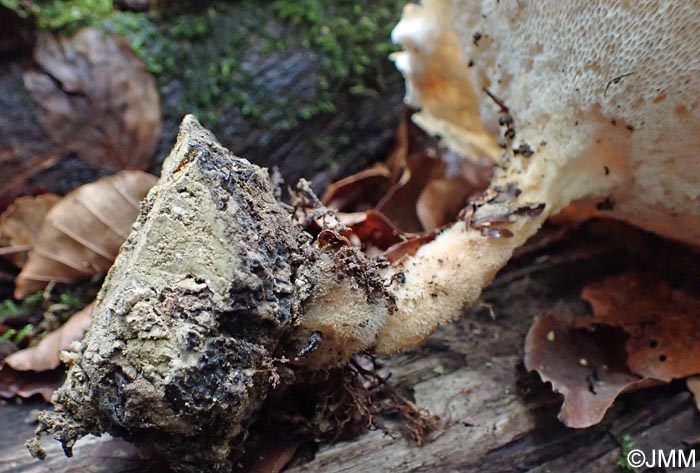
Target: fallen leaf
x=26, y=384
x=399, y=204
x=359, y=191
x=663, y=323
x=20, y=224
x=81, y=234
x=441, y=200
x=44, y=355
x=421, y=186
x=693, y=384
x=587, y=367
x=400, y=251
x=377, y=230
x=98, y=99
x=270, y=456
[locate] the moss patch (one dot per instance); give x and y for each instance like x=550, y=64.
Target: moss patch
x=247, y=66
x=208, y=53
x=60, y=14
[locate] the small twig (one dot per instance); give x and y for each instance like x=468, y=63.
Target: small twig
x=499, y=102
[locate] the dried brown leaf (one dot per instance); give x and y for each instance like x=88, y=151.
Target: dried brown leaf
x=400, y=251
x=81, y=235
x=270, y=456
x=26, y=384
x=587, y=368
x=663, y=323
x=693, y=384
x=359, y=191
x=441, y=200
x=44, y=355
x=98, y=99
x=376, y=230
x=20, y=224
x=399, y=204
x=421, y=187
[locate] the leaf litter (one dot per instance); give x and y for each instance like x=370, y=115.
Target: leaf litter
x=44, y=355
x=642, y=333
x=401, y=204
x=20, y=224
x=98, y=99
x=81, y=235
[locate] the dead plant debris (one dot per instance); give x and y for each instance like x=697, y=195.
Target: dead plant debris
x=98, y=99
x=642, y=333
x=81, y=234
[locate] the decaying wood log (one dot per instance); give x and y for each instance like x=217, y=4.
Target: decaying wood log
x=495, y=416
x=322, y=147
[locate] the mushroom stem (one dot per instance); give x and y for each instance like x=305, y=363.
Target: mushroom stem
x=444, y=277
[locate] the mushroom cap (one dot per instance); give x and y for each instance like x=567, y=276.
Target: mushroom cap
x=606, y=94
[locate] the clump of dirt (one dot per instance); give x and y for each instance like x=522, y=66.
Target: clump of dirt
x=186, y=340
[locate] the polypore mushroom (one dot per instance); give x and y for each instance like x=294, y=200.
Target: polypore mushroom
x=593, y=103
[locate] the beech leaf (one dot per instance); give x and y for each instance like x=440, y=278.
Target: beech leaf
x=20, y=224
x=662, y=323
x=44, y=355
x=693, y=384
x=354, y=192
x=587, y=368
x=81, y=234
x=26, y=384
x=98, y=99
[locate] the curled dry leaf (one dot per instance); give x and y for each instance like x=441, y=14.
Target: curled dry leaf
x=98, y=99
x=693, y=384
x=268, y=457
x=44, y=355
x=26, y=384
x=421, y=187
x=399, y=204
x=20, y=224
x=587, y=368
x=662, y=323
x=400, y=251
x=376, y=230
x=440, y=201
x=359, y=190
x=81, y=235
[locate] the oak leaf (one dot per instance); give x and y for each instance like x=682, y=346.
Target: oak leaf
x=587, y=368
x=662, y=323
x=26, y=384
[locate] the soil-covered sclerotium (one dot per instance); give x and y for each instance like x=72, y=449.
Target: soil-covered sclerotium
x=212, y=279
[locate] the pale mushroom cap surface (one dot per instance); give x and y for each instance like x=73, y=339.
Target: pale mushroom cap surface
x=606, y=94
x=591, y=102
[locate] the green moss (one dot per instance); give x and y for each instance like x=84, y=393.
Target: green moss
x=626, y=445
x=10, y=308
x=352, y=39
x=60, y=14
x=201, y=51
